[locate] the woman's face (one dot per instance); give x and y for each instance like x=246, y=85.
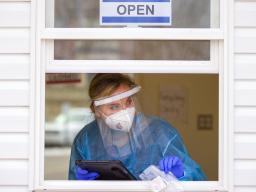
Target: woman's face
x=115, y=106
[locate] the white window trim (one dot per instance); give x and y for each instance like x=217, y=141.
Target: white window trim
x=133, y=33
x=37, y=106
x=129, y=66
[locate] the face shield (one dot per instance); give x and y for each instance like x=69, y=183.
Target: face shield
x=117, y=111
x=116, y=119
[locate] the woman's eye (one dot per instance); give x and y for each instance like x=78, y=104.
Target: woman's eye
x=114, y=107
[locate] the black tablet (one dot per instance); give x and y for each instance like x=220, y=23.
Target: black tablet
x=108, y=170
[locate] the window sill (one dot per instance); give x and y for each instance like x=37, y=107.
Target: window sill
x=128, y=186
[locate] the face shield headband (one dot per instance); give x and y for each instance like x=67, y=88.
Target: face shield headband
x=110, y=99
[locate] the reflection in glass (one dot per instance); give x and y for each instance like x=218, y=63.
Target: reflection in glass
x=85, y=13
x=131, y=50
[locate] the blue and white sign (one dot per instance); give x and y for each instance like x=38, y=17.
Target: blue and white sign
x=135, y=12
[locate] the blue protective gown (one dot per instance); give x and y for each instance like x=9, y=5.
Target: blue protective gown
x=88, y=145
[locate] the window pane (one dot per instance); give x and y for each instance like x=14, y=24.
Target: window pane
x=189, y=102
x=85, y=13
x=131, y=50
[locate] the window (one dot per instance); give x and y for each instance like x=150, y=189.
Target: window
x=188, y=101
x=84, y=13
x=131, y=50
x=71, y=45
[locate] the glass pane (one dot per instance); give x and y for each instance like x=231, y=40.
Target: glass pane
x=131, y=50
x=85, y=13
x=187, y=102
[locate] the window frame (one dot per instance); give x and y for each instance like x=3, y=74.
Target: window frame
x=43, y=48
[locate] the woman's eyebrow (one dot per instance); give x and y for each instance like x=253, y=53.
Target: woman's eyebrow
x=114, y=103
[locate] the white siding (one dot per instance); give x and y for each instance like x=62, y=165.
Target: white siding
x=245, y=143
x=14, y=189
x=14, y=40
x=15, y=15
x=245, y=172
x=245, y=120
x=14, y=119
x=245, y=189
x=245, y=96
x=14, y=66
x=245, y=93
x=245, y=13
x=14, y=172
x=17, y=145
x=14, y=95
x=245, y=39
x=243, y=62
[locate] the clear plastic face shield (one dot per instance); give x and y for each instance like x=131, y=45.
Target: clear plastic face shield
x=115, y=117
x=117, y=111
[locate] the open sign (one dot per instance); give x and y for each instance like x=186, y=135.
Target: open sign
x=135, y=12
x=135, y=9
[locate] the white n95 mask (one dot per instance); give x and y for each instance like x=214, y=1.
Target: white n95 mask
x=122, y=120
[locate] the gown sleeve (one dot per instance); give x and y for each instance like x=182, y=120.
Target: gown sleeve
x=77, y=153
x=172, y=144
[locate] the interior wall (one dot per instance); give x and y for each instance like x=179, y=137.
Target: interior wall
x=200, y=92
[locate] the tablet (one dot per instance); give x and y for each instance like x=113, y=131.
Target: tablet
x=108, y=170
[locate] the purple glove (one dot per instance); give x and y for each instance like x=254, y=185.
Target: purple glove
x=173, y=164
x=82, y=174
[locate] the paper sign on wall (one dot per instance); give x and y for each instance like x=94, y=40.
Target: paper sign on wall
x=135, y=12
x=173, y=103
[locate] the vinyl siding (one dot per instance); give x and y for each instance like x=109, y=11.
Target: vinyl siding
x=245, y=96
x=14, y=95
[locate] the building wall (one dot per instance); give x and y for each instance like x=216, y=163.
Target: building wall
x=245, y=95
x=14, y=95
x=15, y=82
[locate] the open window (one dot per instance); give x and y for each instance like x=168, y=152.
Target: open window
x=180, y=67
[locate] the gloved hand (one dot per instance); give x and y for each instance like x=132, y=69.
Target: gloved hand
x=82, y=174
x=173, y=164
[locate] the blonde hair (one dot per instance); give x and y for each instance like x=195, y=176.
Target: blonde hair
x=104, y=84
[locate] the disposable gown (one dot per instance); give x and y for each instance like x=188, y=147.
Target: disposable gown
x=156, y=140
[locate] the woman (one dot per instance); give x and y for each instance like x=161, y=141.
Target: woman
x=120, y=132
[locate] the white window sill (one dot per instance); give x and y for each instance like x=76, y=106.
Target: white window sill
x=128, y=186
